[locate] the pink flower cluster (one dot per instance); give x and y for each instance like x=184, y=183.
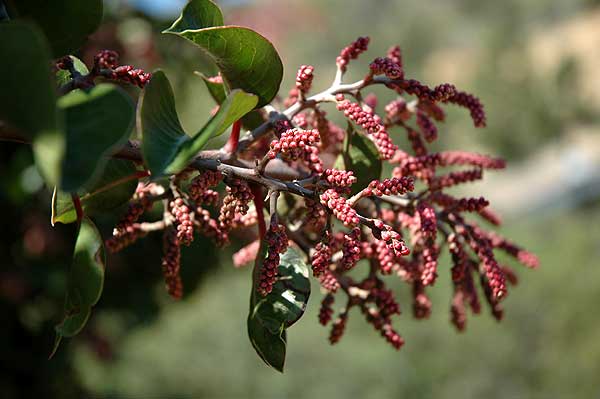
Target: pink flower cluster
x=298, y=144
x=386, y=66
x=398, y=226
x=339, y=207
x=351, y=52
x=304, y=78
x=106, y=65
x=277, y=243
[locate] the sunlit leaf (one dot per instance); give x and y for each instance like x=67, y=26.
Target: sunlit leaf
x=165, y=145
x=218, y=92
x=247, y=60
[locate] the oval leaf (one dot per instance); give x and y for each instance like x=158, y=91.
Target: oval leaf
x=287, y=302
x=165, y=145
x=361, y=156
x=247, y=60
x=271, y=315
x=66, y=23
x=236, y=105
x=158, y=123
x=114, y=188
x=86, y=277
x=198, y=14
x=27, y=97
x=96, y=122
x=86, y=280
x=218, y=92
x=271, y=347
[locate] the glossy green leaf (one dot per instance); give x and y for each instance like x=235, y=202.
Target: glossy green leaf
x=271, y=347
x=361, y=156
x=287, y=302
x=270, y=316
x=198, y=14
x=86, y=280
x=236, y=105
x=158, y=123
x=217, y=90
x=96, y=122
x=113, y=189
x=165, y=145
x=66, y=23
x=247, y=60
x=63, y=77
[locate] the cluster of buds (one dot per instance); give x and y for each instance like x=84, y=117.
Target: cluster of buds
x=339, y=178
x=358, y=115
x=106, y=64
x=199, y=189
x=277, y=243
x=351, y=249
x=321, y=258
x=392, y=239
x=342, y=227
x=393, y=186
x=339, y=207
x=183, y=219
x=298, y=144
x=386, y=66
x=351, y=52
x=127, y=231
x=236, y=202
x=304, y=78
x=171, y=264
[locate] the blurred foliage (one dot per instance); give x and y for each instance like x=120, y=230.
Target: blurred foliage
x=140, y=344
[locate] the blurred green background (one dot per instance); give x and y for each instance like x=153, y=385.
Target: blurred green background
x=534, y=64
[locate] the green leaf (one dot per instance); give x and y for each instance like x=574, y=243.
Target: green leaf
x=96, y=122
x=73, y=323
x=271, y=347
x=270, y=316
x=218, y=92
x=86, y=280
x=157, y=121
x=114, y=188
x=63, y=77
x=236, y=105
x=361, y=156
x=66, y=23
x=198, y=14
x=165, y=145
x=27, y=97
x=247, y=60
